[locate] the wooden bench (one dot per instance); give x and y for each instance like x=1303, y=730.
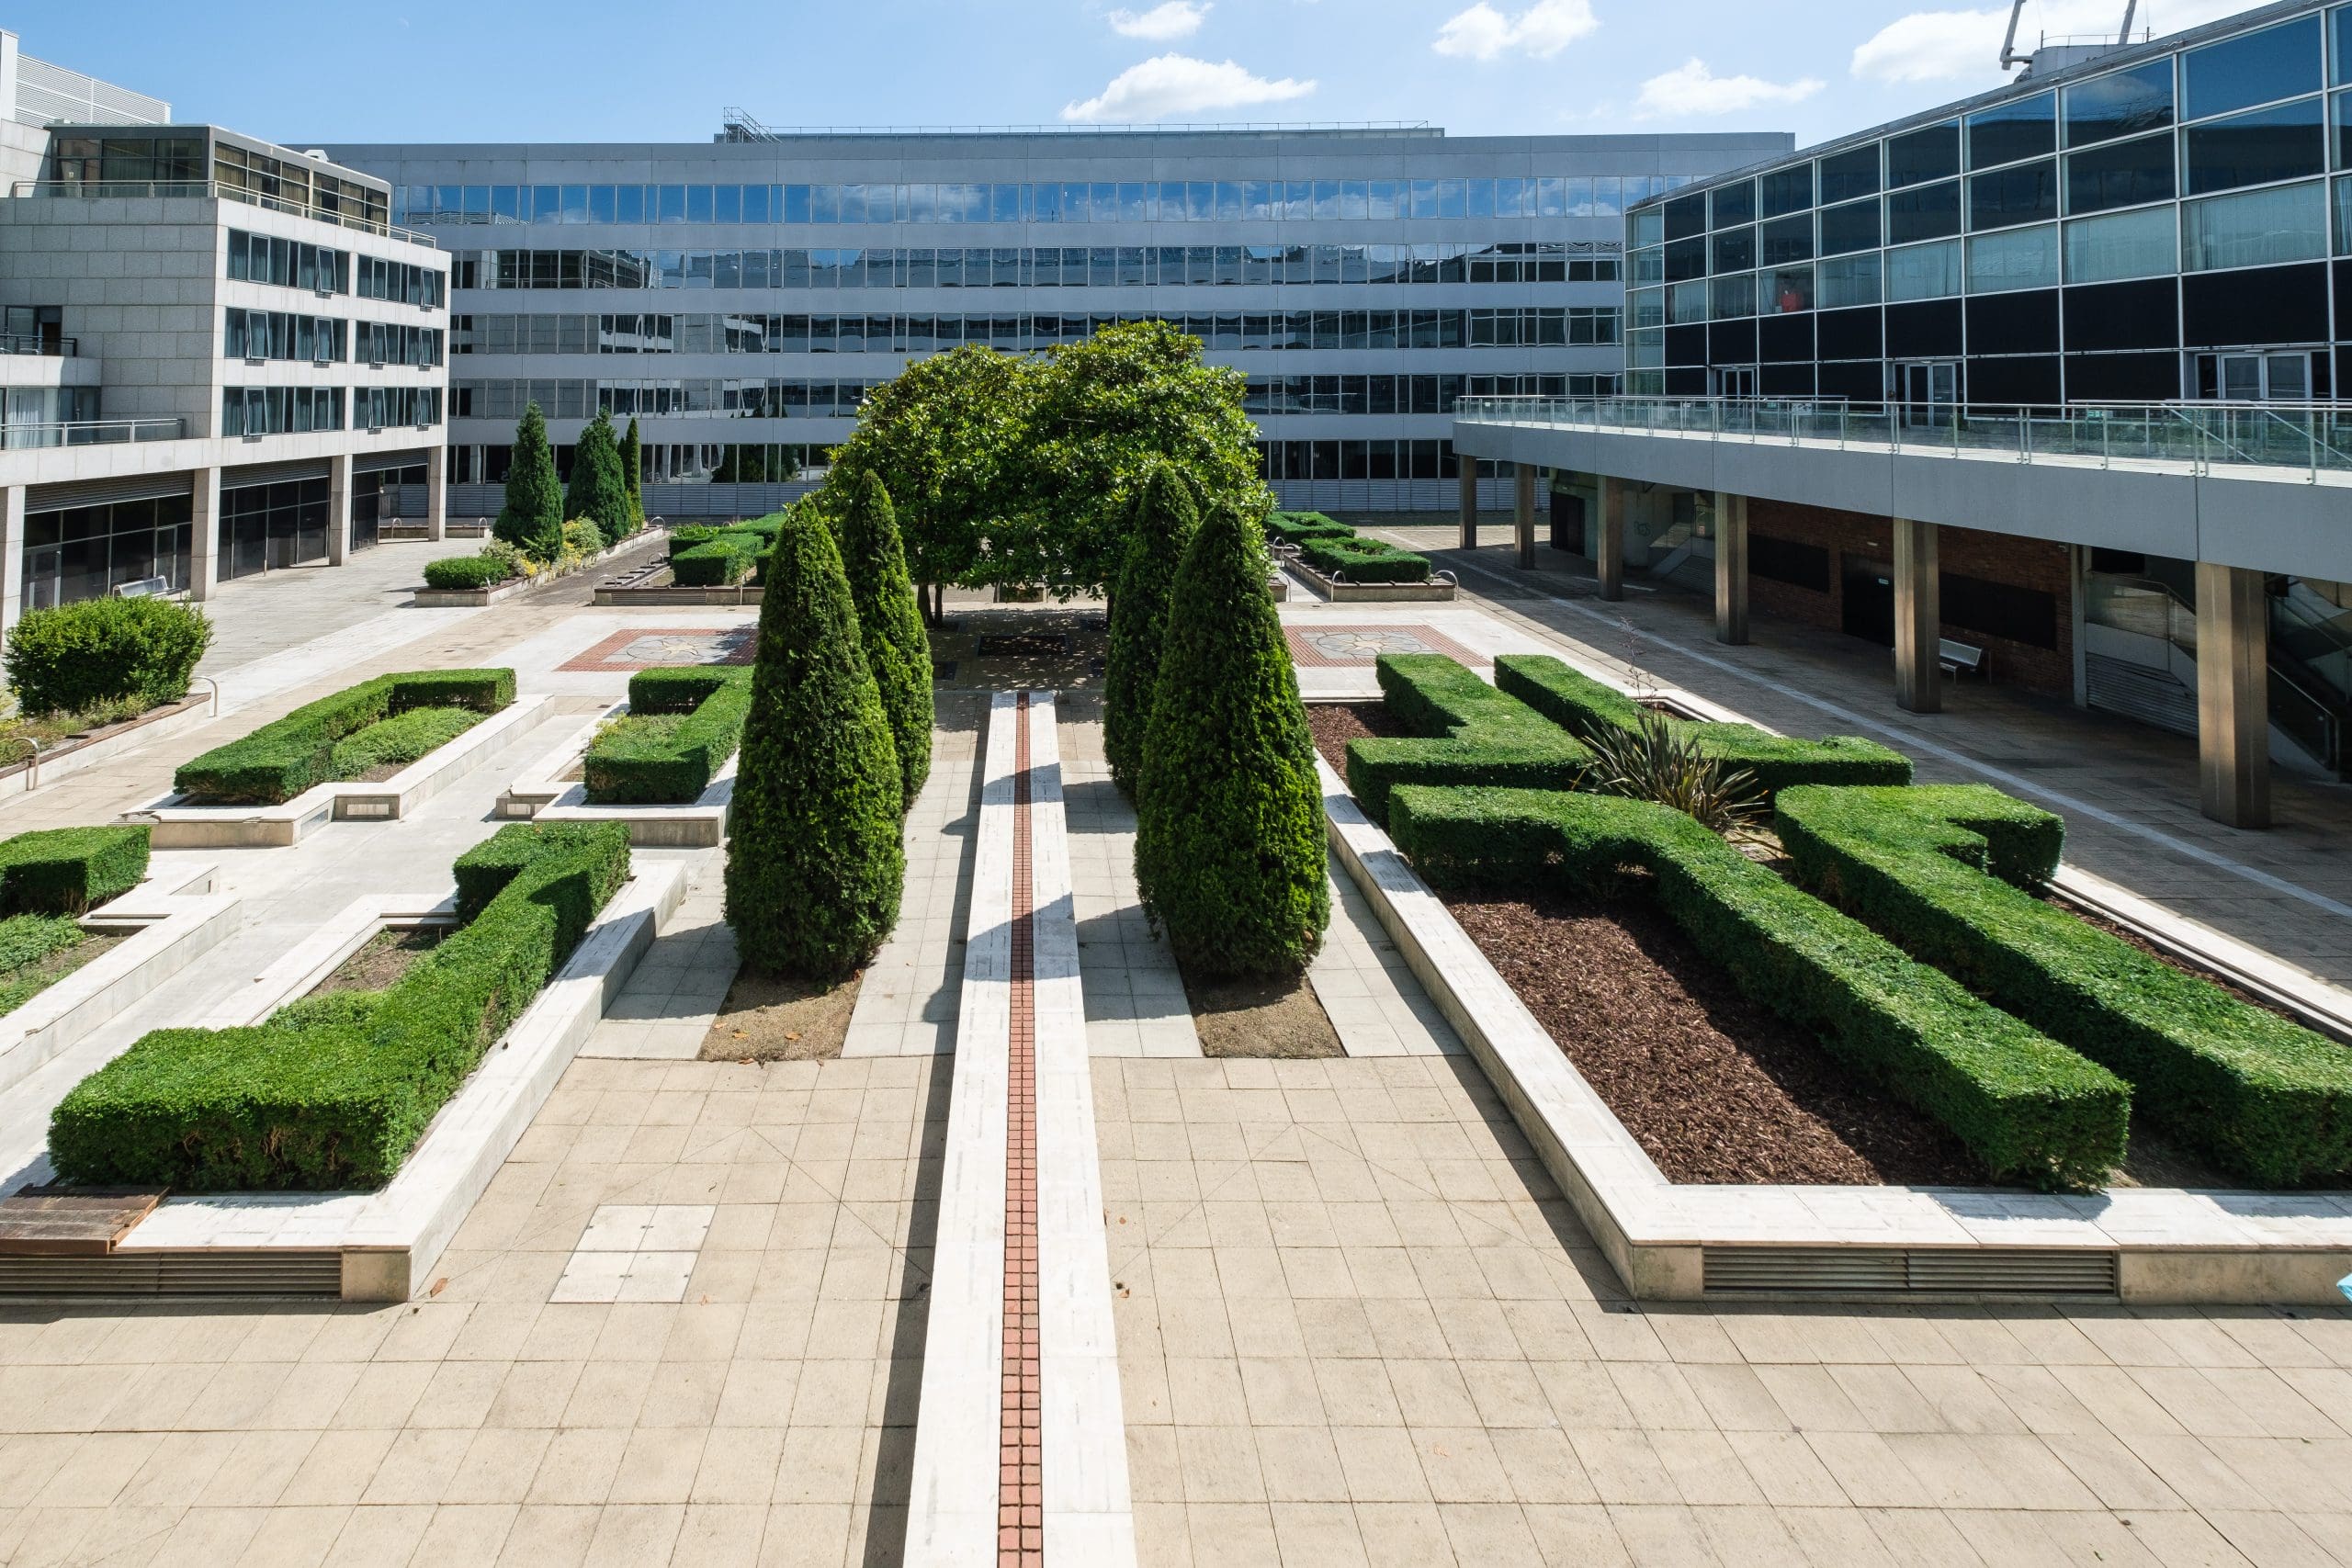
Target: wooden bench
x=1958, y=658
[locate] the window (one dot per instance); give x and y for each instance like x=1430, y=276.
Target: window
x=2252, y=68
x=1731, y=205
x=276, y=334
x=1686, y=303
x=289, y=264
x=1849, y=280
x=2341, y=49
x=2344, y=216
x=2026, y=128
x=1646, y=227
x=2124, y=174
x=1918, y=156
x=2283, y=142
x=2127, y=244
x=1787, y=290
x=2255, y=228
x=1733, y=250
x=2025, y=258
x=2027, y=193
x=1787, y=190
x=1789, y=240
x=2123, y=103
x=2343, y=124
x=1731, y=297
x=276, y=411
x=1929, y=212
x=1845, y=176
x=1924, y=272
x=1686, y=216
x=1853, y=226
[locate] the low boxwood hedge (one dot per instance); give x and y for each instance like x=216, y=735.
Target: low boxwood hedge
x=1465, y=732
x=1363, y=560
x=400, y=740
x=25, y=942
x=720, y=562
x=2029, y=1108
x=1585, y=708
x=282, y=759
x=458, y=574
x=333, y=1092
x=1297, y=527
x=1943, y=870
x=66, y=871
x=682, y=725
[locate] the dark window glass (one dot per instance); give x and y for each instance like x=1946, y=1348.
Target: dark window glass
x=2253, y=68
x=1734, y=251
x=2343, y=51
x=1847, y=174
x=2344, y=115
x=2123, y=103
x=1853, y=226
x=1787, y=190
x=1685, y=216
x=1930, y=212
x=2028, y=194
x=2122, y=175
x=2282, y=143
x=1789, y=240
x=1728, y=205
x=1918, y=156
x=2022, y=130
x=1685, y=259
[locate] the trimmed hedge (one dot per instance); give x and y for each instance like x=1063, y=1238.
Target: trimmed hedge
x=718, y=562
x=1934, y=867
x=401, y=740
x=2029, y=1108
x=666, y=750
x=282, y=759
x=889, y=626
x=1584, y=707
x=1468, y=733
x=692, y=534
x=1298, y=527
x=75, y=657
x=1364, y=561
x=66, y=870
x=26, y=940
x=335, y=1093
x=452, y=574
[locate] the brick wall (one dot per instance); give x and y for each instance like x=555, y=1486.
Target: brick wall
x=2034, y=564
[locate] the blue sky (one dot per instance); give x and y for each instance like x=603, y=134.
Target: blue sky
x=593, y=70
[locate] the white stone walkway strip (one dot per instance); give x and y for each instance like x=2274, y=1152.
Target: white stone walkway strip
x=337, y=650
x=906, y=1006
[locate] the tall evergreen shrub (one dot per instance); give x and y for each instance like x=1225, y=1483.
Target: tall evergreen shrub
x=890, y=622
x=814, y=863
x=1230, y=813
x=1164, y=520
x=598, y=491
x=633, y=472
x=532, y=519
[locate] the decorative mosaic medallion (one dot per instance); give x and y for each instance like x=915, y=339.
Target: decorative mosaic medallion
x=1348, y=648
x=626, y=653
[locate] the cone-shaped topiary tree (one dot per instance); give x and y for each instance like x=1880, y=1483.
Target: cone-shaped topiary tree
x=890, y=623
x=1164, y=521
x=633, y=473
x=1229, y=810
x=532, y=519
x=598, y=491
x=814, y=863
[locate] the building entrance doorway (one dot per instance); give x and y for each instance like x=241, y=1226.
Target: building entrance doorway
x=1926, y=392
x=2255, y=377
x=1736, y=381
x=1867, y=599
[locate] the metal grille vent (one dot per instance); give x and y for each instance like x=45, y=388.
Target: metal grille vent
x=305, y=1274
x=1857, y=1270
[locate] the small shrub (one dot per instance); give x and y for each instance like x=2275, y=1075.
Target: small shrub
x=666, y=750
x=1363, y=560
x=1465, y=732
x=463, y=573
x=692, y=534
x=79, y=656
x=889, y=626
x=718, y=563
x=280, y=760
x=582, y=538
x=1652, y=762
x=1298, y=527
x=1165, y=519
x=67, y=871
x=1229, y=849
x=400, y=741
x=25, y=941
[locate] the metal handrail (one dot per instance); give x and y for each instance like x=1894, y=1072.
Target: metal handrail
x=340, y=217
x=91, y=433
x=34, y=344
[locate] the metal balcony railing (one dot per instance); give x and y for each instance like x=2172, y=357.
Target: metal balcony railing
x=340, y=217
x=2312, y=438
x=34, y=343
x=91, y=433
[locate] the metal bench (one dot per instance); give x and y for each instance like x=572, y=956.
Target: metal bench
x=1958, y=658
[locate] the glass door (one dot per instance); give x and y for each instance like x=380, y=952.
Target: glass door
x=1926, y=392
x=2256, y=375
x=1736, y=381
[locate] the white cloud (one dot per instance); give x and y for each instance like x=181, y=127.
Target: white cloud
x=1177, y=84
x=1161, y=24
x=1691, y=89
x=1542, y=31
x=1965, y=46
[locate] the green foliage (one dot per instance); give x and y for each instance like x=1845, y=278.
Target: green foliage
x=599, y=489
x=582, y=538
x=2026, y=1106
x=282, y=759
x=939, y=435
x=1653, y=762
x=815, y=863
x=1590, y=710
x=890, y=625
x=633, y=474
x=718, y=562
x=691, y=534
x=1164, y=522
x=1465, y=732
x=460, y=573
x=1297, y=527
x=25, y=941
x=66, y=871
x=335, y=1093
x=400, y=740
x=1229, y=854
x=95, y=651
x=1363, y=560
x=666, y=750
x=1942, y=869
x=532, y=519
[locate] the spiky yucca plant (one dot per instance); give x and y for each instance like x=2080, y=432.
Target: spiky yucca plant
x=1663, y=763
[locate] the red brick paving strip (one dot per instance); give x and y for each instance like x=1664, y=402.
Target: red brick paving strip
x=1307, y=656
x=1021, y=1472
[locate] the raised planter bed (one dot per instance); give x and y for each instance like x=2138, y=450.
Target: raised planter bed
x=79, y=751
x=552, y=789
x=1336, y=592
x=660, y=595
x=475, y=598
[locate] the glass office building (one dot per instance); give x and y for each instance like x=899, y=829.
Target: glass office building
x=2168, y=220
x=739, y=298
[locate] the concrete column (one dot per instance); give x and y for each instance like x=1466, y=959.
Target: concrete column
x=1731, y=567
x=437, y=494
x=339, y=509
x=1469, y=471
x=204, y=541
x=1609, y=551
x=12, y=553
x=1918, y=618
x=2233, y=695
x=2078, y=576
x=1523, y=513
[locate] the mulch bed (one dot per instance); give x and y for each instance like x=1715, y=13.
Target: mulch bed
x=384, y=958
x=1333, y=725
x=767, y=1020
x=1260, y=1018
